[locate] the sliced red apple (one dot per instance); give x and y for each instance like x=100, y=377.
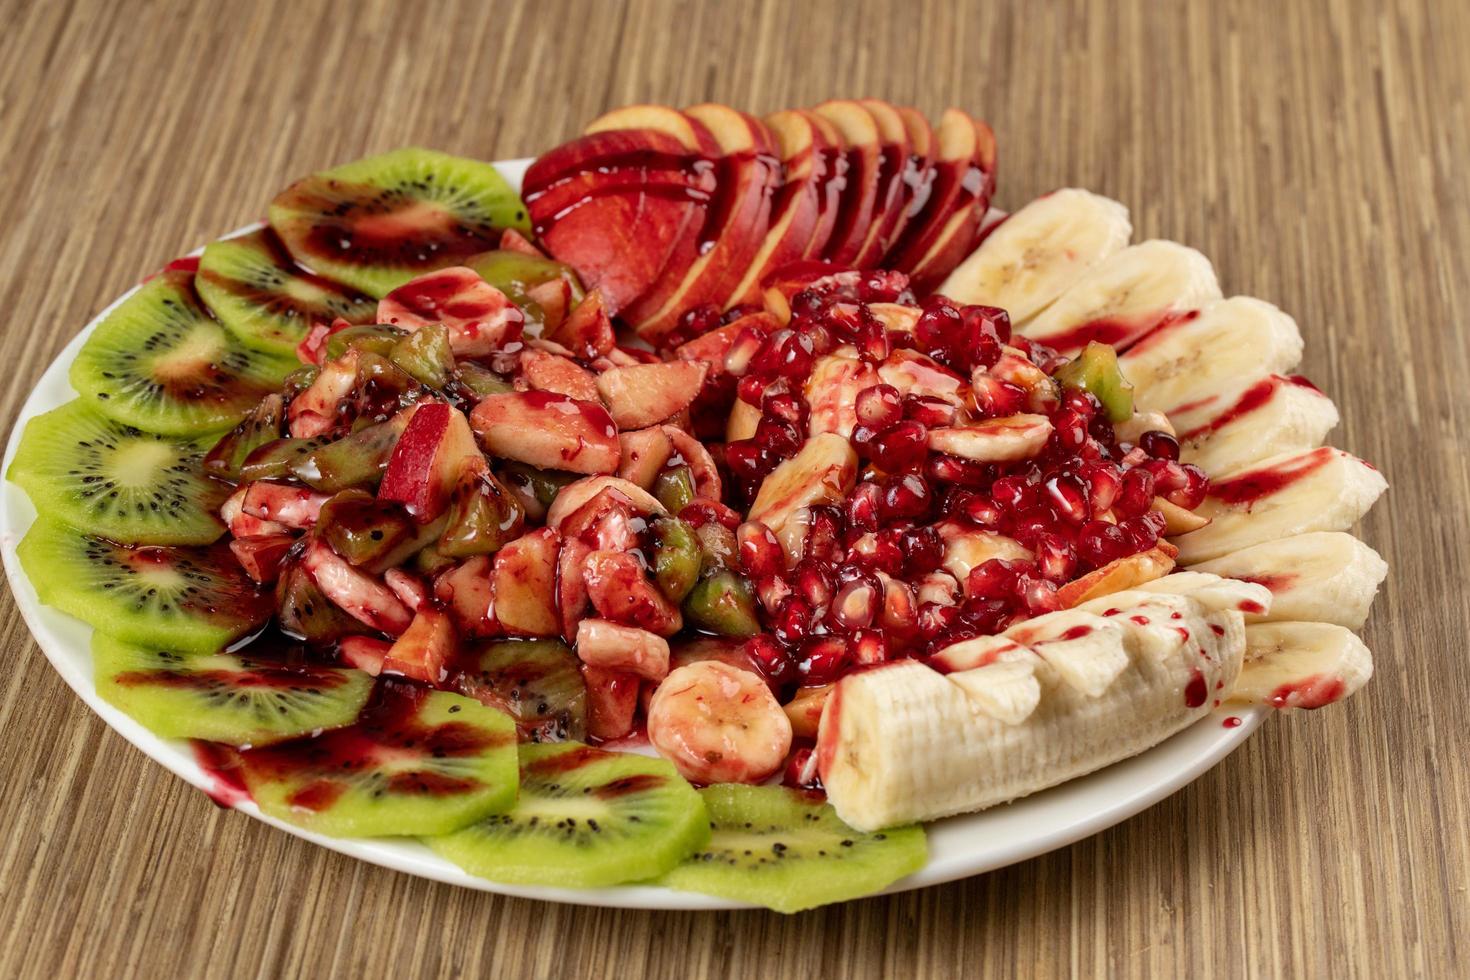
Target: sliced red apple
x=646, y=394
x=864, y=154
x=621, y=592
x=587, y=331
x=748, y=173
x=468, y=592
x=524, y=584
x=436, y=451
x=424, y=649
x=479, y=318
x=549, y=431
x=660, y=118
x=888, y=199
x=918, y=176
x=612, y=701
x=832, y=182
x=944, y=231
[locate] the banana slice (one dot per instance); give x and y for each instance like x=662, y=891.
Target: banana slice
x=1121, y=299
x=994, y=440
x=966, y=546
x=1150, y=621
x=1006, y=690
x=902, y=742
x=1040, y=250
x=1321, y=577
x=1086, y=651
x=821, y=473
x=1301, y=665
x=1193, y=362
x=979, y=651
x=1321, y=490
x=1273, y=415
x=831, y=391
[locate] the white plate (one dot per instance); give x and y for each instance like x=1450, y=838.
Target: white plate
x=958, y=847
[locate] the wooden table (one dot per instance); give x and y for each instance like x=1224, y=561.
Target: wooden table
x=1317, y=151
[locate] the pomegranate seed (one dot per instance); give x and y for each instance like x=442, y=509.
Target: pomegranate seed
x=808, y=304
x=705, y=511
x=906, y=496
x=989, y=321
x=1104, y=483
x=1012, y=493
x=1037, y=595
x=928, y=410
x=922, y=549
x=1068, y=497
x=937, y=619
x=823, y=538
x=900, y=609
x=879, y=406
x=855, y=606
x=1069, y=430
x=785, y=406
x=1136, y=494
x=869, y=647
x=1168, y=475
x=1055, y=558
x=882, y=286
x=750, y=389
x=936, y=327
x=984, y=616
x=982, y=511
x=1140, y=532
x=1031, y=522
x=822, y=659
x=760, y=552
x=900, y=447
x=792, y=621
x=994, y=578
x=1196, y=487
x=1159, y=445
x=814, y=583
x=995, y=398
x=878, y=553
x=953, y=469
x=1080, y=403
x=800, y=771
x=862, y=506
x=772, y=592
x=1099, y=543
x=745, y=346
x=777, y=437
x=768, y=656
x=786, y=353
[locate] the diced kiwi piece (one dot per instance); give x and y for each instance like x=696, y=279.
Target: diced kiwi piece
x=515, y=273
x=161, y=363
x=1096, y=370
x=363, y=529
x=239, y=700
x=536, y=489
x=416, y=762
x=274, y=459
x=377, y=338
x=789, y=851
x=267, y=300
x=676, y=557
x=264, y=424
x=378, y=222
x=480, y=380
x=586, y=818
x=111, y=479
x=304, y=611
x=425, y=355
x=674, y=488
x=537, y=682
x=355, y=460
x=483, y=517
x=724, y=604
x=197, y=600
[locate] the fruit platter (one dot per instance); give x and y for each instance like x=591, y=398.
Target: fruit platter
x=714, y=511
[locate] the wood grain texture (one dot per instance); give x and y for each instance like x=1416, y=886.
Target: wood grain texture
x=1315, y=150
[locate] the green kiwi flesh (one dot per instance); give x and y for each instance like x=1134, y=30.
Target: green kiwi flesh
x=161, y=363
x=416, y=762
x=585, y=818
x=378, y=222
x=537, y=682
x=265, y=299
x=189, y=599
x=238, y=700
x=786, y=850
x=110, y=479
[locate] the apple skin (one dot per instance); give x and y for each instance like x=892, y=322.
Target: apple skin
x=261, y=555
x=437, y=450
x=612, y=700
x=863, y=149
x=888, y=201
x=424, y=649
x=549, y=431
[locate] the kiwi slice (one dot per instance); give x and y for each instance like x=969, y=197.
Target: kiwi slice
x=241, y=700
x=226, y=458
x=197, y=600
x=378, y=222
x=268, y=301
x=537, y=682
x=111, y=479
x=788, y=850
x=416, y=762
x=586, y=818
x=162, y=363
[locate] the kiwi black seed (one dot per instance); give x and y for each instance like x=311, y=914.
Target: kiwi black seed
x=161, y=363
x=376, y=223
x=416, y=762
x=585, y=818
x=113, y=480
x=265, y=299
x=190, y=599
x=537, y=682
x=238, y=700
x=788, y=850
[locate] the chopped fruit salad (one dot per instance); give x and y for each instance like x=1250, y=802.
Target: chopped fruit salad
x=732, y=498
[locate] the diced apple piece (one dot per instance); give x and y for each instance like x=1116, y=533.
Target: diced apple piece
x=543, y=371
x=316, y=410
x=261, y=555
x=479, y=318
x=358, y=594
x=366, y=653
x=831, y=391
x=435, y=453
x=467, y=590
x=587, y=331
x=967, y=546
x=913, y=373
x=994, y=440
x=644, y=453
x=612, y=701
x=1178, y=520
x=424, y=649
x=804, y=710
x=409, y=588
x=707, y=482
x=582, y=503
x=822, y=472
x=243, y=525
x=548, y=431
x=611, y=646
x=621, y=592
x=282, y=504
x=554, y=297
x=1116, y=576
x=647, y=394
x=744, y=420
x=571, y=585
x=524, y=582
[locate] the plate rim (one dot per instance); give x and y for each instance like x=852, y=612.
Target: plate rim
x=959, y=847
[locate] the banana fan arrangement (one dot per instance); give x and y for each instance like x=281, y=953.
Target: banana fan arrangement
x=765, y=448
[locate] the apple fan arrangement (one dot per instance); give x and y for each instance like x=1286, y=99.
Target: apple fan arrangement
x=730, y=452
